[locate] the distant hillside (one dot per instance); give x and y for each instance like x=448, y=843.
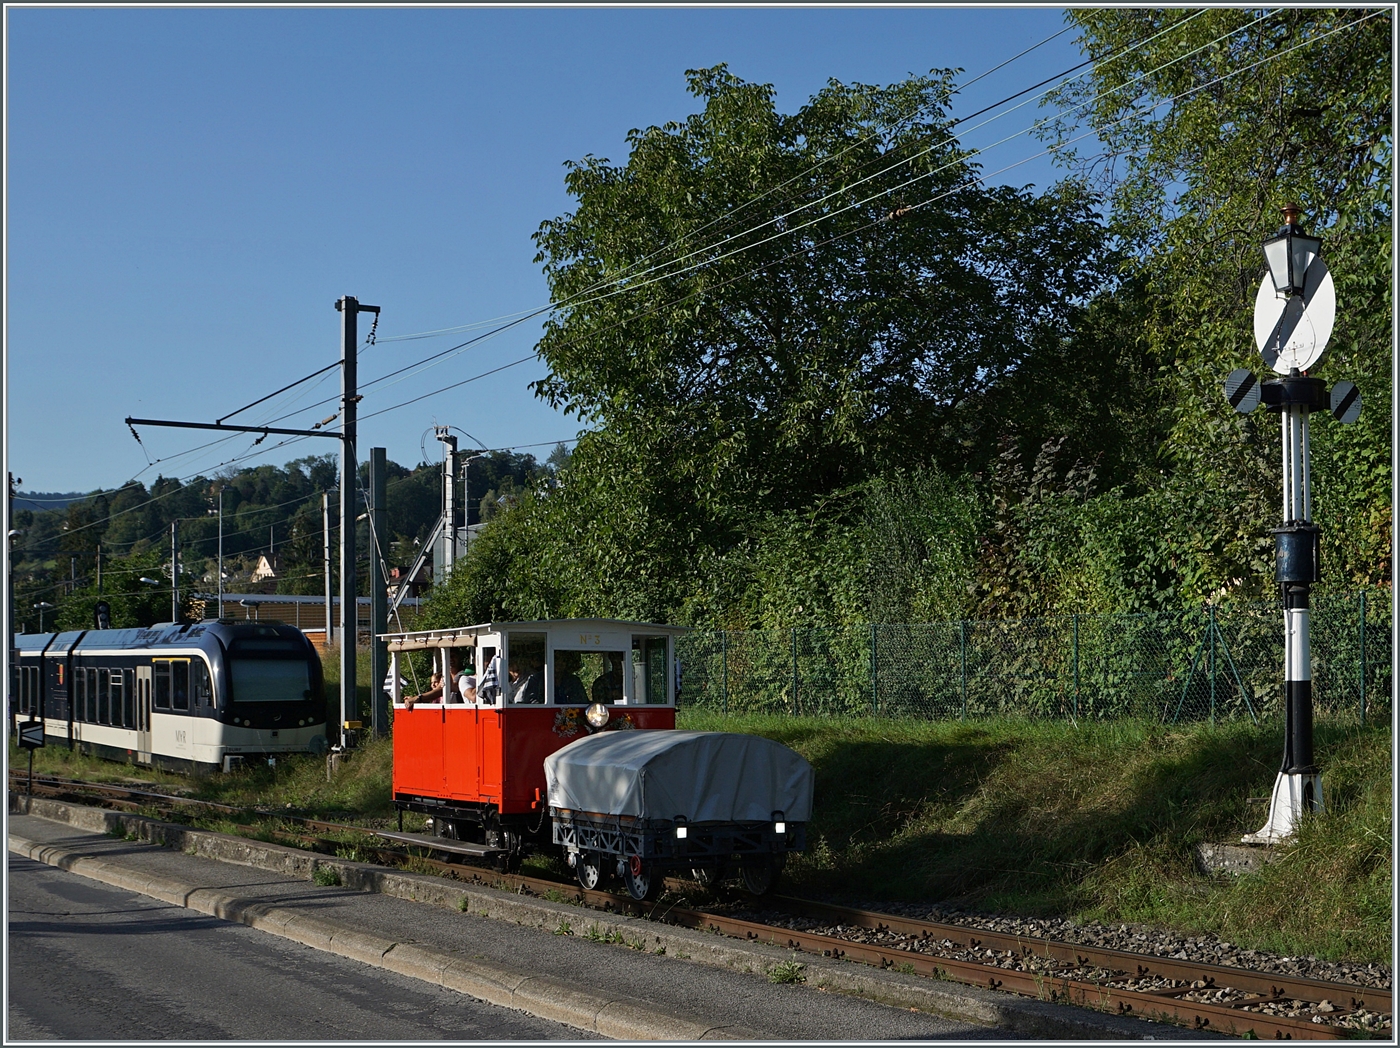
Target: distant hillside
x=42, y=500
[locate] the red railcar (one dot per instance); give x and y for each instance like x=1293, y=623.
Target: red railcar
x=474, y=762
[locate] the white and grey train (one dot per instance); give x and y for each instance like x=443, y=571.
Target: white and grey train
x=180, y=696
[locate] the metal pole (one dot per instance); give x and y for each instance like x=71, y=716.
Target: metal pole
x=872, y=669
x=326, y=536
x=174, y=571
x=1362, y=657
x=1211, y=663
x=349, y=634
x=962, y=665
x=99, y=569
x=1076, y=665
x=378, y=595
x=795, y=705
x=724, y=670
x=221, y=552
x=1298, y=786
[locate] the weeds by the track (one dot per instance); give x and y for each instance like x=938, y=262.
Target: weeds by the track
x=1098, y=821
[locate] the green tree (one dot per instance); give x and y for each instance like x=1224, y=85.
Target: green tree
x=1207, y=122
x=882, y=296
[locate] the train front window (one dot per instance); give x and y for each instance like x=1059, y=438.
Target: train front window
x=199, y=683
x=269, y=680
x=649, y=670
x=581, y=677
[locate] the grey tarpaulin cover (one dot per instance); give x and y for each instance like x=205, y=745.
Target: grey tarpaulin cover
x=704, y=776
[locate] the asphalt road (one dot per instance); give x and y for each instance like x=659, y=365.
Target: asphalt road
x=88, y=961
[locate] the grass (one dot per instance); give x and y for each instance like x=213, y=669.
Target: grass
x=1098, y=821
x=1095, y=822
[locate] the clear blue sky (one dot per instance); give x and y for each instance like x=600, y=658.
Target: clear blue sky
x=189, y=192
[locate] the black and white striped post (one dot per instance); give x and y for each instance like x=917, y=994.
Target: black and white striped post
x=1293, y=318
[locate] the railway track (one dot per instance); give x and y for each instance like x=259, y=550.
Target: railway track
x=1214, y=998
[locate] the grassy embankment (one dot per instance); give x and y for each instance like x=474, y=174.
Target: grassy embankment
x=1096, y=821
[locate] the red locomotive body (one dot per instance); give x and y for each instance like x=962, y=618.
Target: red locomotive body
x=464, y=754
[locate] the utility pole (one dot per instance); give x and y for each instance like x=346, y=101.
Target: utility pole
x=221, y=551
x=447, y=537
x=11, y=653
x=174, y=571
x=326, y=534
x=99, y=567
x=350, y=310
x=378, y=597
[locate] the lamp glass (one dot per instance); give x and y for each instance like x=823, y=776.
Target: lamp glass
x=1302, y=250
x=1276, y=255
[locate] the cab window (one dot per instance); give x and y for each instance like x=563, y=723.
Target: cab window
x=649, y=676
x=524, y=681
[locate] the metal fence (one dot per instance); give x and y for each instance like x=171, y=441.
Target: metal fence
x=1216, y=663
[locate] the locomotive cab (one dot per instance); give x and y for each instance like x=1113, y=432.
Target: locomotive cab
x=471, y=753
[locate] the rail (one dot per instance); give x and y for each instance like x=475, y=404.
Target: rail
x=1215, y=998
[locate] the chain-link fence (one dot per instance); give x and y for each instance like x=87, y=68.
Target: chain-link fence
x=1217, y=663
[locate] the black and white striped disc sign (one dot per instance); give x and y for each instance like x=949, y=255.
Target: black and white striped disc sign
x=1346, y=402
x=1242, y=390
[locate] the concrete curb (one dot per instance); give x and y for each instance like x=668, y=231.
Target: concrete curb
x=950, y=1000
x=538, y=995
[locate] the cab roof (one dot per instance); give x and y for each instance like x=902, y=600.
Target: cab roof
x=466, y=636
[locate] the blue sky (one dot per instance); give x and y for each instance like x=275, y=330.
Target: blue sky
x=189, y=192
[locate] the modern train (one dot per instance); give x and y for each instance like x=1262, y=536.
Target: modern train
x=180, y=696
x=560, y=735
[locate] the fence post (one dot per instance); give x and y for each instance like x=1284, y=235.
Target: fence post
x=1362, y=657
x=962, y=666
x=1212, y=630
x=1076, y=666
x=796, y=705
x=724, y=670
x=874, y=670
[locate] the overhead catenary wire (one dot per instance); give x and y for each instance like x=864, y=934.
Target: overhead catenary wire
x=924, y=203
x=619, y=287
x=907, y=183
x=522, y=316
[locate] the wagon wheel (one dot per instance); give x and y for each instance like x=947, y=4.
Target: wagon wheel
x=589, y=869
x=761, y=874
x=642, y=879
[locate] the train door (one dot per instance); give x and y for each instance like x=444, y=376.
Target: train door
x=170, y=719
x=143, y=714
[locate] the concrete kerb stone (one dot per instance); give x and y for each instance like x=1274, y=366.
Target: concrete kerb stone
x=539, y=995
x=950, y=1000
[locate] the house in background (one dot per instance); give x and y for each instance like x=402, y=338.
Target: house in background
x=265, y=575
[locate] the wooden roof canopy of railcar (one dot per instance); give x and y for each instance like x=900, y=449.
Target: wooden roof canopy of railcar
x=466, y=636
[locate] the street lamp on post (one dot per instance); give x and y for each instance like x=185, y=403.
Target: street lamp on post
x=1290, y=253
x=42, y=607
x=1293, y=316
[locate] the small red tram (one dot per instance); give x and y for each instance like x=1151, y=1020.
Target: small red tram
x=477, y=767
x=472, y=755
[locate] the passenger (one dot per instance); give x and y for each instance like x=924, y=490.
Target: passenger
x=466, y=688
x=433, y=694
x=568, y=687
x=529, y=685
x=608, y=687
x=489, y=687
x=455, y=693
